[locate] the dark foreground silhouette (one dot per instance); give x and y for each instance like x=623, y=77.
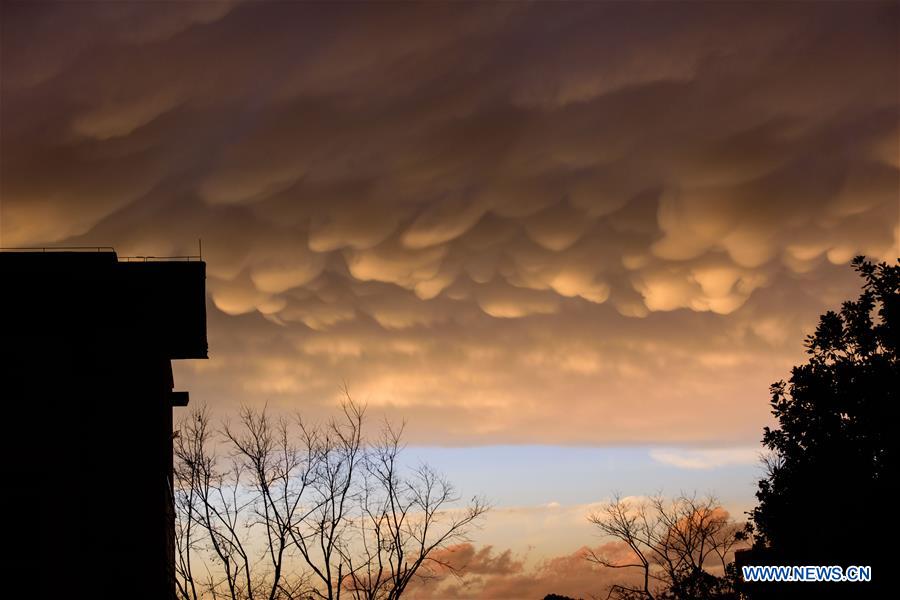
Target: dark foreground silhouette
x=829, y=495
x=88, y=389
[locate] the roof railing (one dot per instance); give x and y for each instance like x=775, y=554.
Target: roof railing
x=186, y=258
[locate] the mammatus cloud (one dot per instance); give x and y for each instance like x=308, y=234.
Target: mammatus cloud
x=592, y=224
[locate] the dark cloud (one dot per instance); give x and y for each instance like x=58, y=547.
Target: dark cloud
x=509, y=222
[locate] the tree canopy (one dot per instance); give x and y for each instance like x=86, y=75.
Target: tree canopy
x=833, y=463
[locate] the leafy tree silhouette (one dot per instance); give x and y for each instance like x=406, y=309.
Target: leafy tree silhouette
x=829, y=493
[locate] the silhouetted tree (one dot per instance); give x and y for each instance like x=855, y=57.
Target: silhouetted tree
x=402, y=520
x=675, y=545
x=272, y=509
x=833, y=464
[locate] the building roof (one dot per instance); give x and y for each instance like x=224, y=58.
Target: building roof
x=57, y=300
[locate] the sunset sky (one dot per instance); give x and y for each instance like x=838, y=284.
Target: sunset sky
x=570, y=244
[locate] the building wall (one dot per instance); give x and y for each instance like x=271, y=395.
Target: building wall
x=88, y=444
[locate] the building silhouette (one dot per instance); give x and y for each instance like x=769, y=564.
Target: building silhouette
x=88, y=393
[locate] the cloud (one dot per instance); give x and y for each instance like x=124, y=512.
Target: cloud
x=518, y=222
x=395, y=264
x=510, y=302
x=487, y=573
x=707, y=458
x=441, y=221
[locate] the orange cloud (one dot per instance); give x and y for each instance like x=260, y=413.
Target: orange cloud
x=579, y=217
x=484, y=573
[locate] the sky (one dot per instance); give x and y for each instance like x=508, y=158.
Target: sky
x=569, y=244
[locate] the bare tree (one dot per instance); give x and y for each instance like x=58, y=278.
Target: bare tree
x=279, y=471
x=403, y=521
x=276, y=509
x=325, y=535
x=211, y=515
x=676, y=546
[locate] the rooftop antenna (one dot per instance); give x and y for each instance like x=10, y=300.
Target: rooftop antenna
x=200, y=246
